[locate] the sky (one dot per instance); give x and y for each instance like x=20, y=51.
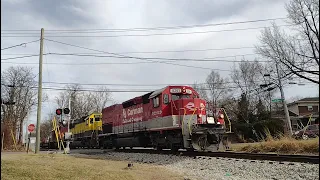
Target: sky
x=99, y=15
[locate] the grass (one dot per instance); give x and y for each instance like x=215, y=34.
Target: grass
x=283, y=145
x=59, y=166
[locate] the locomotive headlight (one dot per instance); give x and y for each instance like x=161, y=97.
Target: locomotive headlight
x=221, y=116
x=210, y=120
x=199, y=115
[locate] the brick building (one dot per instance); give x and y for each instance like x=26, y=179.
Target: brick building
x=302, y=111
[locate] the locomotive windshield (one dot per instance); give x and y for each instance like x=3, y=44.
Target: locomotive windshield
x=176, y=97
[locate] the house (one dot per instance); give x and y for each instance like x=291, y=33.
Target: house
x=302, y=111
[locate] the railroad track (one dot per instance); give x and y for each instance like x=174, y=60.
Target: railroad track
x=312, y=159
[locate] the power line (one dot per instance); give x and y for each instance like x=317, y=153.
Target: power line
x=20, y=44
x=80, y=64
x=20, y=57
x=120, y=55
x=110, y=90
x=161, y=58
x=164, y=51
x=120, y=90
x=163, y=28
x=150, y=58
x=158, y=34
x=110, y=84
x=93, y=64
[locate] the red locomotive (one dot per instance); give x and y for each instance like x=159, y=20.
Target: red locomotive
x=170, y=118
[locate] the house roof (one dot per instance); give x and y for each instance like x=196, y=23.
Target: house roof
x=308, y=99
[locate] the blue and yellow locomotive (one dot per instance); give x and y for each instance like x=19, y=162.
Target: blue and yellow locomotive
x=85, y=130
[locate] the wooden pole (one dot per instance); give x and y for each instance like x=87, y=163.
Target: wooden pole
x=2, y=145
x=28, y=143
x=39, y=94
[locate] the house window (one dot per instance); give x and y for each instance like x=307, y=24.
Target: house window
x=310, y=108
x=156, y=102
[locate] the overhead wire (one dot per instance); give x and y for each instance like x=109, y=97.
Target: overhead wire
x=120, y=55
x=19, y=57
x=120, y=90
x=162, y=51
x=209, y=59
x=162, y=28
x=158, y=34
x=111, y=90
x=164, y=84
x=21, y=44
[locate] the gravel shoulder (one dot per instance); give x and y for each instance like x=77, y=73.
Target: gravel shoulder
x=206, y=168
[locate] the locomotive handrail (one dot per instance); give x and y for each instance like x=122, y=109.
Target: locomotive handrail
x=227, y=119
x=174, y=104
x=189, y=125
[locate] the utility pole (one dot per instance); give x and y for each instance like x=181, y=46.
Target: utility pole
x=286, y=112
x=39, y=94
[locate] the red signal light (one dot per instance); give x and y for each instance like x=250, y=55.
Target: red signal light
x=58, y=111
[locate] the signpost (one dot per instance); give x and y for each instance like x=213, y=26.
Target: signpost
x=277, y=100
x=31, y=128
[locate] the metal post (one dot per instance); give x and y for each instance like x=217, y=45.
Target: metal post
x=69, y=118
x=286, y=112
x=59, y=129
x=39, y=94
x=270, y=105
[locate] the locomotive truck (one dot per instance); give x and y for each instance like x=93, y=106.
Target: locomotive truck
x=174, y=117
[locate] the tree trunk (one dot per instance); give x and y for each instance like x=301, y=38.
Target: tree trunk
x=8, y=141
x=20, y=132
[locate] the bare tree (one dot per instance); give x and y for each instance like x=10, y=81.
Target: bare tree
x=248, y=76
x=17, y=85
x=83, y=102
x=217, y=87
x=46, y=128
x=297, y=53
x=201, y=90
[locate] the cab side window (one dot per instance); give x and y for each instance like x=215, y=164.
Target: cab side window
x=156, y=102
x=165, y=98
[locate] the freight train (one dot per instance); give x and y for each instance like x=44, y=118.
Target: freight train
x=174, y=117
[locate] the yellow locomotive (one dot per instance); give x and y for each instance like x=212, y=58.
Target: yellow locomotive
x=85, y=130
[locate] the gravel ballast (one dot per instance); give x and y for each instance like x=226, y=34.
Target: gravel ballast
x=211, y=168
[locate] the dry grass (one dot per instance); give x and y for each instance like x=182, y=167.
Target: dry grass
x=58, y=166
x=284, y=145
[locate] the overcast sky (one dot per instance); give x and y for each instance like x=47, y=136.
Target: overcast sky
x=106, y=14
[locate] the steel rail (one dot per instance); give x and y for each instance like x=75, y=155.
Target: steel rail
x=312, y=159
